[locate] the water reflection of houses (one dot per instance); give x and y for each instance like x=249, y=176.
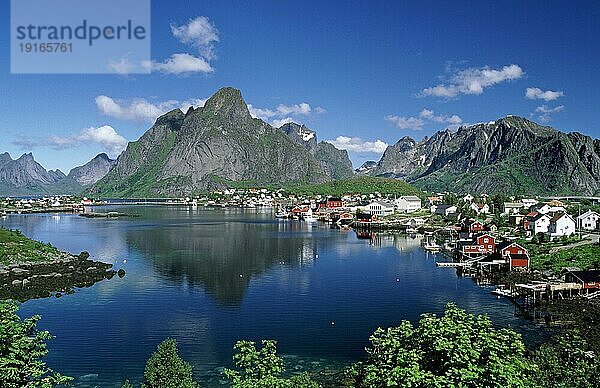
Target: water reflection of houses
x=401, y=242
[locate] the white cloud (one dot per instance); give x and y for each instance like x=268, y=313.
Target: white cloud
x=179, y=64
x=539, y=94
x=279, y=122
x=284, y=113
x=429, y=114
x=358, y=145
x=425, y=116
x=122, y=66
x=473, y=81
x=297, y=109
x=406, y=122
x=199, y=33
x=106, y=136
x=141, y=110
x=545, y=112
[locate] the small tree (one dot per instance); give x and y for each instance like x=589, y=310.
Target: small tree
x=457, y=349
x=22, y=347
x=262, y=368
x=165, y=369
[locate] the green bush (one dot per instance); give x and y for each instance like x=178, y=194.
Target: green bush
x=22, y=347
x=455, y=350
x=262, y=368
x=165, y=369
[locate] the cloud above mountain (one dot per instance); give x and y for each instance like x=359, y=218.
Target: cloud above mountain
x=105, y=136
x=358, y=145
x=139, y=109
x=425, y=116
x=473, y=81
x=539, y=94
x=282, y=113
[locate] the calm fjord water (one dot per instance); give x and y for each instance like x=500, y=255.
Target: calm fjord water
x=209, y=277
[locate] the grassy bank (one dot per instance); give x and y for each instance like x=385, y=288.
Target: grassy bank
x=16, y=248
x=584, y=257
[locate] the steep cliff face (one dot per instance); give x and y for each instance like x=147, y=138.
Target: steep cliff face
x=208, y=148
x=92, y=171
x=512, y=155
x=335, y=163
x=301, y=135
x=25, y=176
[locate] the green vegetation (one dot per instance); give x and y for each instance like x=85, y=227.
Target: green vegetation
x=358, y=185
x=583, y=256
x=262, y=368
x=165, y=369
x=144, y=182
x=457, y=349
x=567, y=362
x=14, y=248
x=22, y=348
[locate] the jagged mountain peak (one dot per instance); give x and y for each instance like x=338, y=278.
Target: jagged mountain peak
x=512, y=154
x=173, y=119
x=299, y=130
x=206, y=149
x=26, y=157
x=227, y=102
x=25, y=176
x=93, y=170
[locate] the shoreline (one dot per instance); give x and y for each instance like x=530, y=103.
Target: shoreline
x=27, y=280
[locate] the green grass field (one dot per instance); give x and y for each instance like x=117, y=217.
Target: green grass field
x=15, y=248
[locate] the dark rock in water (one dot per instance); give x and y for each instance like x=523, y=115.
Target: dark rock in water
x=42, y=279
x=121, y=272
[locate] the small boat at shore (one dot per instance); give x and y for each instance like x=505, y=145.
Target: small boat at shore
x=282, y=214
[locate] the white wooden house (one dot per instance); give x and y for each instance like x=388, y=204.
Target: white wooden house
x=408, y=204
x=379, y=208
x=590, y=220
x=561, y=224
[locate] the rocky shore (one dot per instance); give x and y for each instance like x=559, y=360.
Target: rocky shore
x=58, y=276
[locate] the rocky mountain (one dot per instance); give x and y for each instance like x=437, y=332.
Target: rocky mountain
x=335, y=163
x=509, y=155
x=366, y=168
x=25, y=176
x=92, y=171
x=206, y=148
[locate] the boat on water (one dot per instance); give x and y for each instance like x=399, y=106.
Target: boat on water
x=430, y=244
x=310, y=218
x=432, y=247
x=282, y=214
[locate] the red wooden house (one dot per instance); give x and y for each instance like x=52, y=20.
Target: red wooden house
x=515, y=255
x=588, y=279
x=334, y=202
x=483, y=244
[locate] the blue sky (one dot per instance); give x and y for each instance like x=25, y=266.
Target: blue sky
x=362, y=74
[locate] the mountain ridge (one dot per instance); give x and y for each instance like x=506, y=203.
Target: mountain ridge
x=206, y=148
x=511, y=155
